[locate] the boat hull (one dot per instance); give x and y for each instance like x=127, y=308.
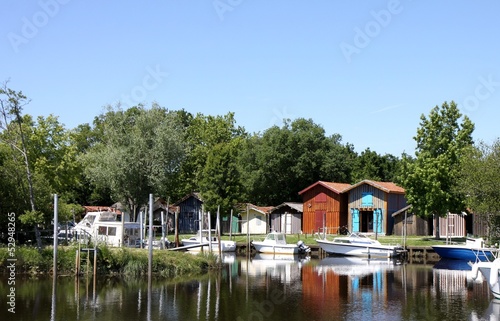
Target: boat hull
x=225, y=246
x=263, y=247
x=362, y=250
x=489, y=269
x=463, y=253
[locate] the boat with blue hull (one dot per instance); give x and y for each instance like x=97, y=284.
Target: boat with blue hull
x=473, y=250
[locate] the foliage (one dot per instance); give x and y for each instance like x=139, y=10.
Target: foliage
x=479, y=180
x=281, y=161
x=430, y=178
x=220, y=181
x=372, y=166
x=202, y=134
x=140, y=153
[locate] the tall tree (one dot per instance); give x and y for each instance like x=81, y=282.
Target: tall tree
x=202, y=134
x=479, y=180
x=220, y=182
x=140, y=153
x=279, y=163
x=11, y=107
x=370, y=165
x=431, y=178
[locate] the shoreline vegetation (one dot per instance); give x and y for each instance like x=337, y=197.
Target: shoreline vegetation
x=127, y=262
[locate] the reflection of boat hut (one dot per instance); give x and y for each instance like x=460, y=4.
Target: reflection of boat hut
x=286, y=218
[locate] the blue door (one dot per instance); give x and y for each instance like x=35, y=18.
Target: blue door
x=377, y=220
x=355, y=220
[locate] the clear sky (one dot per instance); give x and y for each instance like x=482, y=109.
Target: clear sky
x=366, y=70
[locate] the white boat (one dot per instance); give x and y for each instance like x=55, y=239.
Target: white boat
x=275, y=243
x=201, y=241
x=359, y=245
x=103, y=227
x=491, y=273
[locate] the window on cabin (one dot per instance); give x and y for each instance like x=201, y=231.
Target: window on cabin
x=259, y=220
x=320, y=198
x=112, y=231
x=366, y=199
x=102, y=230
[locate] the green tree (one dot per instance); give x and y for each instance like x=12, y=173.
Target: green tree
x=220, y=182
x=479, y=180
x=140, y=153
x=279, y=163
x=11, y=106
x=372, y=166
x=430, y=179
x=202, y=134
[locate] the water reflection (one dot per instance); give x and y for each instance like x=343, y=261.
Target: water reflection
x=265, y=287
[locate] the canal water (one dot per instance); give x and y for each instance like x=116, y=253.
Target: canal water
x=265, y=288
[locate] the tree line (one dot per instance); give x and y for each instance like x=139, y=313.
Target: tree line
x=126, y=154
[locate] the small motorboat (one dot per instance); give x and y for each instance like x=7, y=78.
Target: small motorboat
x=473, y=250
x=203, y=241
x=358, y=244
x=275, y=243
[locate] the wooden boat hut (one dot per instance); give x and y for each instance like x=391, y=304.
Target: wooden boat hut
x=371, y=205
x=324, y=204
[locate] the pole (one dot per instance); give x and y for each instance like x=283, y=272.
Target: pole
x=141, y=227
x=231, y=225
x=176, y=228
x=209, y=233
x=218, y=231
x=150, y=242
x=248, y=232
x=55, y=234
x=162, y=243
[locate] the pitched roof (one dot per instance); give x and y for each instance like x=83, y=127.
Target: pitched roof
x=335, y=187
x=388, y=187
x=195, y=195
x=299, y=207
x=261, y=209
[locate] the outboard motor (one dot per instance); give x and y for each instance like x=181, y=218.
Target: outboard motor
x=303, y=248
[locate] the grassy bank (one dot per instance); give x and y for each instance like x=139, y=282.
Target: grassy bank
x=110, y=261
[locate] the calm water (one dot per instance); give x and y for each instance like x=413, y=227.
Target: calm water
x=264, y=288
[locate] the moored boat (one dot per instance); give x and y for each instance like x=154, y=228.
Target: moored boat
x=491, y=273
x=204, y=243
x=359, y=245
x=275, y=243
x=103, y=227
x=473, y=250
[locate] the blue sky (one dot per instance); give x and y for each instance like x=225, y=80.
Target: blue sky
x=366, y=70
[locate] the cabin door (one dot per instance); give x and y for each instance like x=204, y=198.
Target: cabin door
x=355, y=220
x=319, y=220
